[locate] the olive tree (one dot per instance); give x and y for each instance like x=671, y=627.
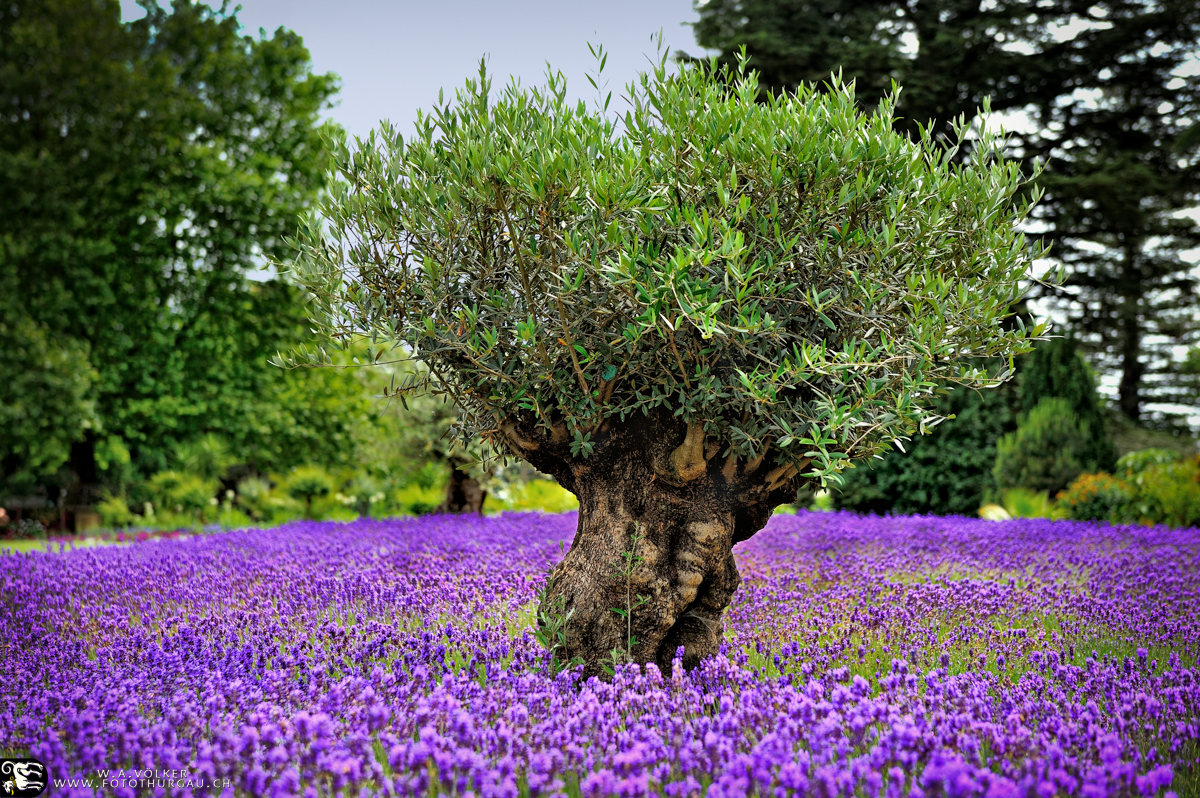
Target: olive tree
x=426, y=436
x=682, y=314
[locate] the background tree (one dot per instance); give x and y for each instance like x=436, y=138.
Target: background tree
x=1056, y=369
x=951, y=470
x=680, y=323
x=147, y=171
x=1111, y=113
x=946, y=472
x=1047, y=451
x=427, y=435
x=44, y=399
x=1123, y=170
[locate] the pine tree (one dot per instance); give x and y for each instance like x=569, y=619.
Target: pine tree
x=1111, y=117
x=1055, y=369
x=1115, y=187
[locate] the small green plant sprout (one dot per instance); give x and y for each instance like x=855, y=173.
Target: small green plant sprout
x=552, y=618
x=551, y=621
x=630, y=560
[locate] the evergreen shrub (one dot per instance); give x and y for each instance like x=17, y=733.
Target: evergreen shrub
x=1047, y=451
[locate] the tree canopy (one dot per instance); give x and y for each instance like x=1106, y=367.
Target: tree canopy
x=790, y=277
x=150, y=169
x=680, y=315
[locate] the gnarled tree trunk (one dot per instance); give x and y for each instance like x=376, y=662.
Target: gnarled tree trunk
x=654, y=479
x=464, y=494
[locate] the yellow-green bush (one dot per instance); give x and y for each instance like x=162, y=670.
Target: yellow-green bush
x=536, y=494
x=115, y=512
x=1152, y=487
x=308, y=484
x=1169, y=493
x=265, y=504
x=183, y=493
x=1025, y=503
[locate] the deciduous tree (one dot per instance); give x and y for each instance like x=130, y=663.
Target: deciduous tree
x=146, y=169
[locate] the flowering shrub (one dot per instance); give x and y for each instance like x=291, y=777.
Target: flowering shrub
x=1154, y=486
x=912, y=656
x=1097, y=496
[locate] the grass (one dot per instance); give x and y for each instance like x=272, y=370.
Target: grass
x=536, y=495
x=26, y=546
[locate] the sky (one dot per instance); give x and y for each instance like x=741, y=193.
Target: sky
x=393, y=57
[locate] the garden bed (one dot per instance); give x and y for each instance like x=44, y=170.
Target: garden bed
x=868, y=656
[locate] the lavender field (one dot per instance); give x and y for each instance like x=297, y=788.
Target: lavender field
x=863, y=656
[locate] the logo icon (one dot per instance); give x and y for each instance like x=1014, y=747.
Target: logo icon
x=22, y=778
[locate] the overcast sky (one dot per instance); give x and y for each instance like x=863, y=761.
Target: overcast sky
x=393, y=57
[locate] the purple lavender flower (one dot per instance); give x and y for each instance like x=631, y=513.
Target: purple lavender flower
x=397, y=658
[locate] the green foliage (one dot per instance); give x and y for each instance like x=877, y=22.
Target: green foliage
x=45, y=402
x=946, y=472
x=231, y=518
x=265, y=504
x=948, y=55
x=413, y=499
x=308, y=483
x=428, y=476
x=1116, y=218
x=27, y=529
x=1056, y=369
x=1130, y=436
x=550, y=629
x=115, y=513
x=535, y=494
x=1098, y=497
x=207, y=457
x=1109, y=95
x=792, y=275
x=1169, y=493
x=1048, y=449
x=630, y=560
x=1152, y=486
x=950, y=471
x=424, y=440
x=145, y=170
x=1141, y=461
x=179, y=492
x=364, y=494
x=113, y=461
x=822, y=502
x=1025, y=503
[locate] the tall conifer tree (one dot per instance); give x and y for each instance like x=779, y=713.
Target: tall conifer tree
x=1111, y=116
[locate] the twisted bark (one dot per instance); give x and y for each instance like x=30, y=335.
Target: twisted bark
x=654, y=479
